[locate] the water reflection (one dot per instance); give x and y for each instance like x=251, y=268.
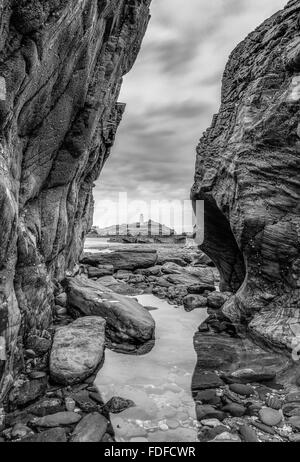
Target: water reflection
x=159, y=382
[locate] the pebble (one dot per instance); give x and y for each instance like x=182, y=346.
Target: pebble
x=295, y=422
x=211, y=423
x=248, y=434
x=55, y=420
x=205, y=411
x=263, y=428
x=70, y=404
x=295, y=438
x=164, y=427
x=173, y=424
x=270, y=416
x=139, y=440
x=36, y=375
x=241, y=389
x=236, y=410
x=274, y=402
x=227, y=437
x=20, y=431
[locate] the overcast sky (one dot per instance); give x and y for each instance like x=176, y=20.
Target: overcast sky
x=172, y=93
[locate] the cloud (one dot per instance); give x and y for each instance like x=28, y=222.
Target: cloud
x=171, y=95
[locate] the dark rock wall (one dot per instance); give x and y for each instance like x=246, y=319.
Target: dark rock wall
x=62, y=63
x=247, y=171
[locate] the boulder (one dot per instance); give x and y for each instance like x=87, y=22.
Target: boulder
x=122, y=260
x=77, y=350
x=126, y=319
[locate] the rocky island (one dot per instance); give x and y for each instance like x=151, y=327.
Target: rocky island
x=63, y=307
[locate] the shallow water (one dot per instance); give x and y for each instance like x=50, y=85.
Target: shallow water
x=159, y=382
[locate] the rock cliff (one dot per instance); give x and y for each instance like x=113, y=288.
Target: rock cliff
x=61, y=68
x=247, y=172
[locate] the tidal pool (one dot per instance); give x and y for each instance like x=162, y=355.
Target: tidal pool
x=159, y=382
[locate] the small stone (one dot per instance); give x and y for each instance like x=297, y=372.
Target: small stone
x=54, y=435
x=56, y=420
x=208, y=397
x=172, y=424
x=292, y=397
x=46, y=407
x=263, y=427
x=248, y=434
x=241, y=389
x=295, y=438
x=274, y=403
x=270, y=416
x=61, y=299
x=205, y=411
x=70, y=404
x=30, y=354
x=90, y=429
x=60, y=310
x=36, y=375
x=236, y=410
x=211, y=423
x=139, y=439
x=20, y=431
x=164, y=427
x=294, y=422
x=117, y=404
x=227, y=437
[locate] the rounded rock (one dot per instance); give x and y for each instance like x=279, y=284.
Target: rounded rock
x=270, y=417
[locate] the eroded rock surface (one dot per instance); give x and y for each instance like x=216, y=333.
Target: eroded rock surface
x=247, y=172
x=61, y=68
x=77, y=350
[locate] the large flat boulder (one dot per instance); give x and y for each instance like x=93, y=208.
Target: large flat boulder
x=122, y=259
x=77, y=350
x=126, y=319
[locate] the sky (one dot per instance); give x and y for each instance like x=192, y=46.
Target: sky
x=171, y=94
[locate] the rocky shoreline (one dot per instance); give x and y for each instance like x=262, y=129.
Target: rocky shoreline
x=241, y=391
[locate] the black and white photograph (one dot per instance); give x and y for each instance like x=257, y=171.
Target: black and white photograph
x=149, y=224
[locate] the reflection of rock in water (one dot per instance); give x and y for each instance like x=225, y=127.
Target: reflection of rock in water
x=131, y=349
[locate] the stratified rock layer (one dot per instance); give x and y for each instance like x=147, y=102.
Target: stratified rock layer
x=247, y=172
x=61, y=68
